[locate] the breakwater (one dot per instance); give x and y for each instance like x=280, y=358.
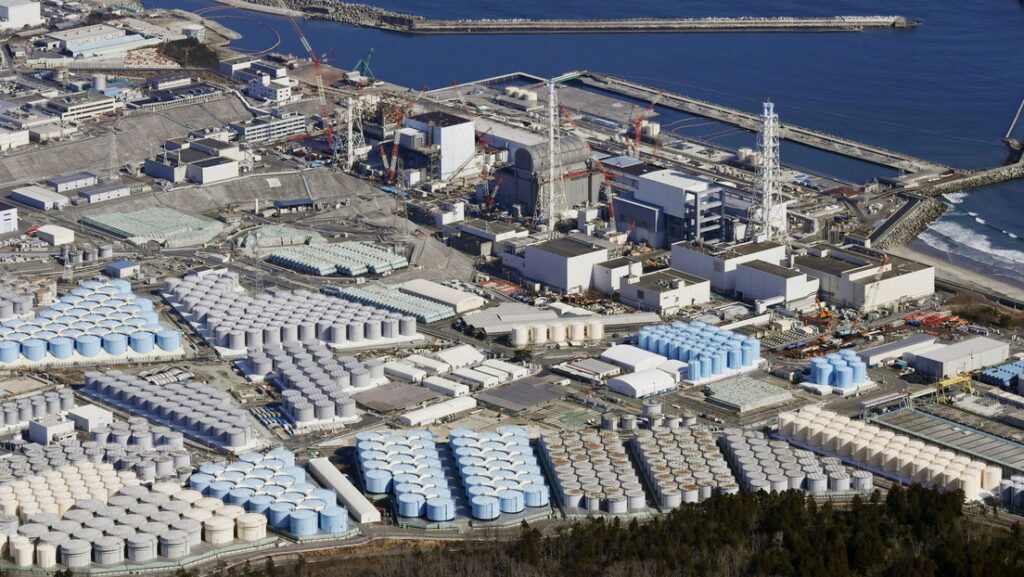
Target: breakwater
x=908, y=222
x=373, y=17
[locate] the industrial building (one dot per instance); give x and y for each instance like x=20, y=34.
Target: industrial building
x=563, y=264
x=276, y=90
x=85, y=35
x=55, y=235
x=643, y=383
x=347, y=258
x=392, y=299
x=866, y=280
x=8, y=218
x=17, y=14
x=125, y=269
x=278, y=125
x=434, y=413
x=193, y=161
x=88, y=418
x=70, y=182
x=745, y=394
x=442, y=144
x=104, y=192
x=665, y=292
x=882, y=354
x=609, y=276
x=669, y=206
x=84, y=105
x=11, y=138
x=941, y=361
x=359, y=507
x=460, y=301
x=169, y=227
x=40, y=198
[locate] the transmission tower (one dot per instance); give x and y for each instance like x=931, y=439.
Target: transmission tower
x=766, y=184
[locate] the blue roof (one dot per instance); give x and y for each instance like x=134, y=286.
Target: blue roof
x=122, y=264
x=291, y=203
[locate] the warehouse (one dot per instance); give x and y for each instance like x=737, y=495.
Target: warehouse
x=404, y=372
x=881, y=354
x=8, y=218
x=459, y=356
x=866, y=281
x=72, y=181
x=529, y=394
x=431, y=366
x=744, y=394
x=961, y=357
x=103, y=192
x=475, y=379
x=513, y=371
x=55, y=235
x=643, y=383
x=123, y=269
x=631, y=358
x=39, y=197
x=461, y=301
x=434, y=413
x=445, y=386
x=89, y=417
x=665, y=291
x=359, y=507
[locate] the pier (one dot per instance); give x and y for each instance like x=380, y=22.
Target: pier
x=373, y=17
x=752, y=122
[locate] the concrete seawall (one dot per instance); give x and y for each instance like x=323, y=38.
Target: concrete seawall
x=373, y=17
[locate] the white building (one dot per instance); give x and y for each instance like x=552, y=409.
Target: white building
x=89, y=417
x=866, y=281
x=461, y=301
x=431, y=366
x=270, y=89
x=719, y=263
x=72, y=181
x=961, y=357
x=8, y=218
x=404, y=371
x=16, y=14
x=665, y=292
x=55, y=235
x=445, y=386
x=564, y=264
x=459, y=356
x=631, y=358
x=278, y=125
x=433, y=413
x=643, y=383
x=455, y=138
x=49, y=428
x=760, y=281
x=609, y=276
x=693, y=208
x=104, y=192
x=73, y=38
x=13, y=138
x=39, y=197
x=84, y=105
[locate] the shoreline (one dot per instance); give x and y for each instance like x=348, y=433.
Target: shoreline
x=946, y=270
x=243, y=5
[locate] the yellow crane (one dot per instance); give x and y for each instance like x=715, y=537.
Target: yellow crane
x=964, y=380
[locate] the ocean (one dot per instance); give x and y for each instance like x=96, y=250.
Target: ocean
x=945, y=91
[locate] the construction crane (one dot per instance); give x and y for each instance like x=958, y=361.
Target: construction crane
x=325, y=113
x=492, y=198
x=942, y=386
x=363, y=67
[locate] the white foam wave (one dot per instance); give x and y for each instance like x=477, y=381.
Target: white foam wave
x=955, y=197
x=1011, y=235
x=973, y=213
x=979, y=220
x=949, y=236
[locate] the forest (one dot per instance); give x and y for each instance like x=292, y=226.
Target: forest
x=911, y=532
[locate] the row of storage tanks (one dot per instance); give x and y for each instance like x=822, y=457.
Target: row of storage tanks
x=844, y=370
x=896, y=456
x=271, y=485
x=159, y=461
x=18, y=294
x=396, y=301
x=1011, y=492
x=775, y=466
x=237, y=321
x=592, y=471
x=683, y=465
x=557, y=332
x=196, y=409
x=96, y=317
x=137, y=524
x=56, y=491
x=409, y=465
x=314, y=385
x=499, y=471
x=36, y=406
x=708, y=350
x=349, y=258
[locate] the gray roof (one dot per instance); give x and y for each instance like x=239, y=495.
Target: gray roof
x=565, y=247
x=69, y=178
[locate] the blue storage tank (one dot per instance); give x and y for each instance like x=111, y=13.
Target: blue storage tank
x=62, y=347
x=9, y=351
x=378, y=482
x=511, y=501
x=334, y=520
x=33, y=349
x=440, y=509
x=200, y=482
x=115, y=344
x=278, y=515
x=88, y=345
x=735, y=358
x=219, y=489
x=168, y=340
x=821, y=373
x=860, y=372
x=212, y=469
x=259, y=504
x=844, y=377
x=142, y=341
x=705, y=366
x=535, y=495
x=303, y=522
x=240, y=496
x=485, y=508
x=717, y=364
x=411, y=505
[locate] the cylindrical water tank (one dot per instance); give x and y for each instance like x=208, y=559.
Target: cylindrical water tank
x=251, y=527
x=141, y=547
x=304, y=522
x=218, y=530
x=76, y=553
